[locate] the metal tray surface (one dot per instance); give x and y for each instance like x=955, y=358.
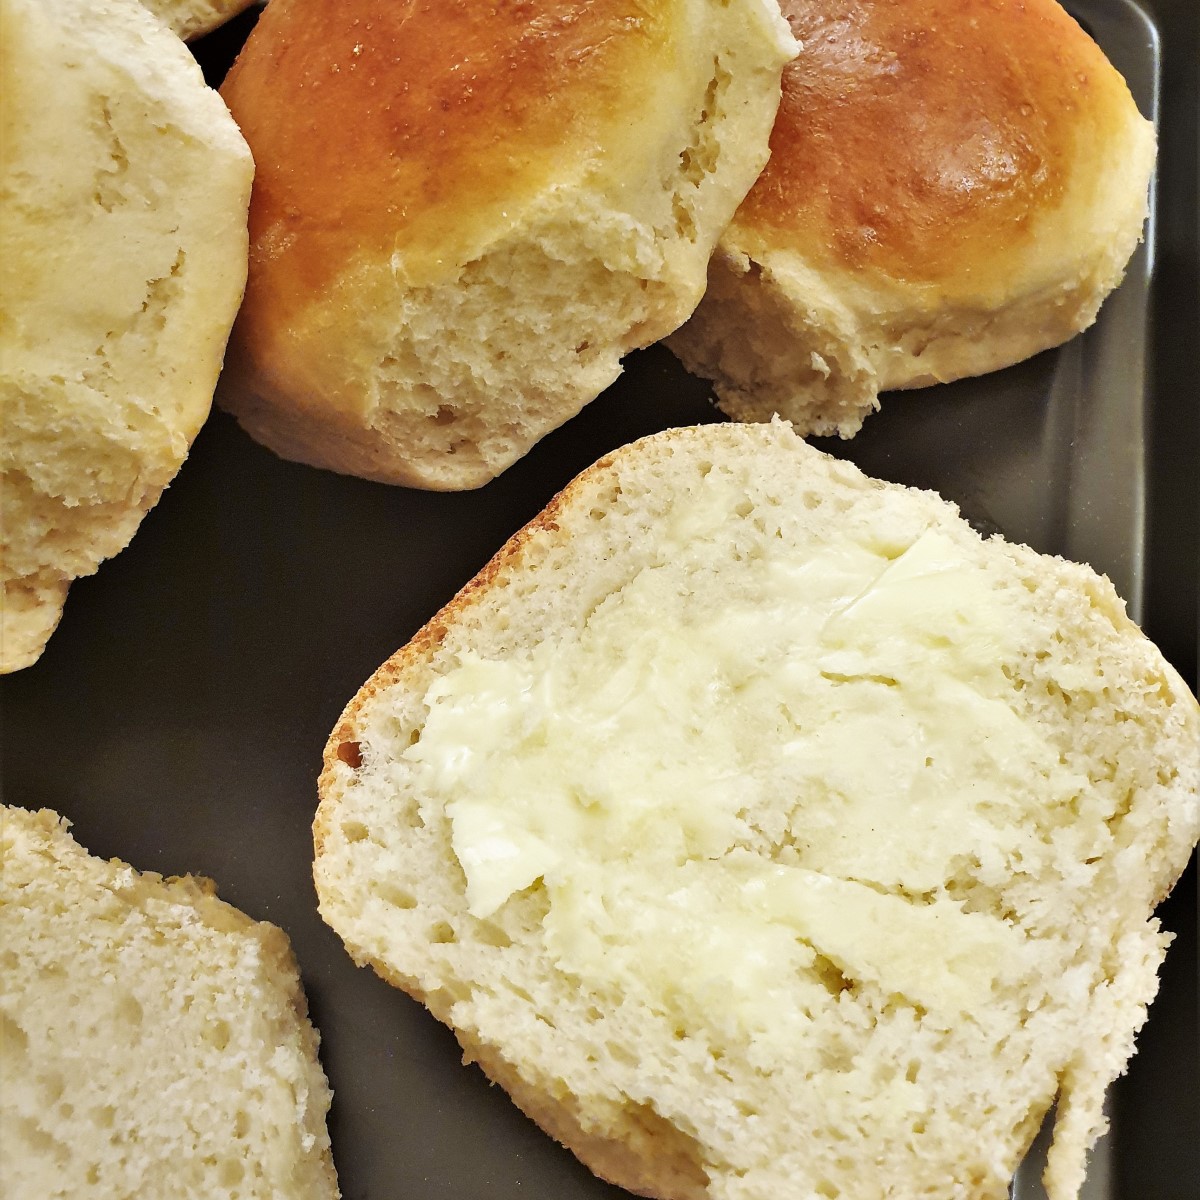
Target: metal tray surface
x=178, y=715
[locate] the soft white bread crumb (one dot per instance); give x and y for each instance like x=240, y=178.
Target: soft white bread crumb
x=944, y=197
x=194, y=18
x=767, y=833
x=154, y=1041
x=122, y=261
x=464, y=216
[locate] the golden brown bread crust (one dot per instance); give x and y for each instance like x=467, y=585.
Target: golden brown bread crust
x=465, y=214
x=421, y=123
x=916, y=138
x=952, y=188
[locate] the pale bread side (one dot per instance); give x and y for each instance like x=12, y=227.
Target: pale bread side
x=122, y=262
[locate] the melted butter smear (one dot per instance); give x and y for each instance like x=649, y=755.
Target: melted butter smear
x=721, y=800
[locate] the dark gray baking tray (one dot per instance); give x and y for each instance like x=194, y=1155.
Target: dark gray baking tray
x=178, y=715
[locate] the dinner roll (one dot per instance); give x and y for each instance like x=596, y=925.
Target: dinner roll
x=769, y=834
x=154, y=1041
x=465, y=213
x=122, y=261
x=952, y=188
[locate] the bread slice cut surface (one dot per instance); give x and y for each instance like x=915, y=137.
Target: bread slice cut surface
x=767, y=832
x=154, y=1041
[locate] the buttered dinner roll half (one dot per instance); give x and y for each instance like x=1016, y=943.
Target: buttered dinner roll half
x=465, y=213
x=767, y=833
x=952, y=188
x=122, y=262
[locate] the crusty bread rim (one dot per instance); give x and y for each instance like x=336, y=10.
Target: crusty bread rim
x=431, y=635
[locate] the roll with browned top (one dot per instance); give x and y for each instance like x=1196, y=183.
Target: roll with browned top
x=952, y=188
x=465, y=213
